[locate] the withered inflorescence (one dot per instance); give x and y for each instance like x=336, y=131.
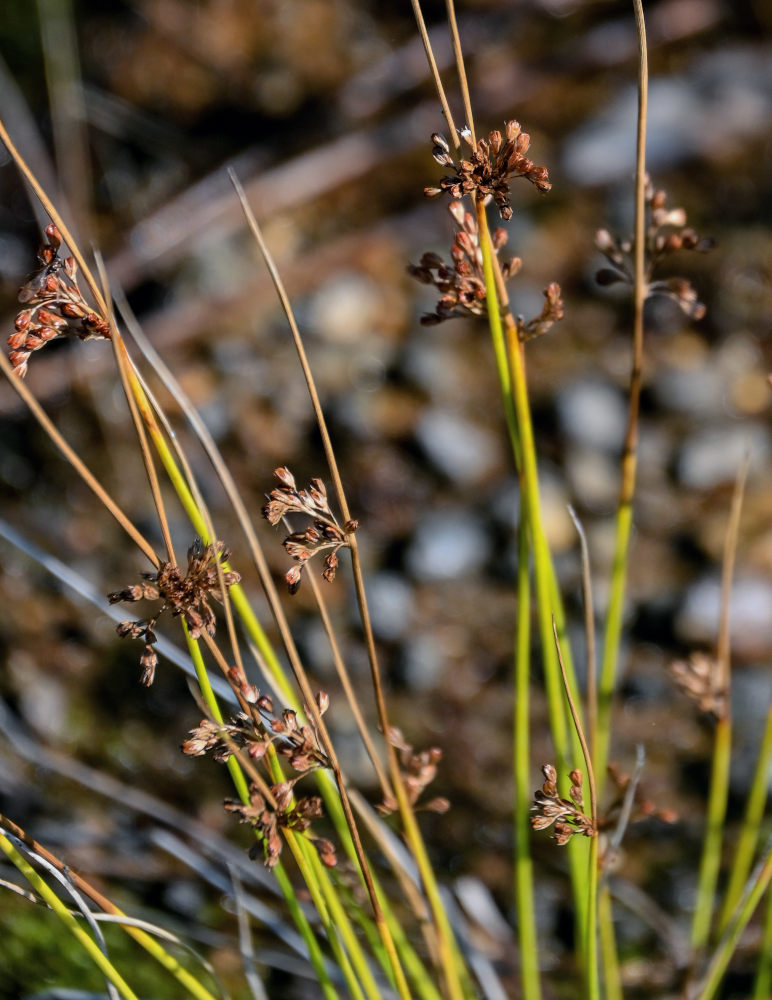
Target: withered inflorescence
x=566, y=816
x=666, y=233
x=418, y=769
x=492, y=164
x=487, y=174
x=53, y=306
x=324, y=534
x=271, y=807
x=699, y=678
x=184, y=594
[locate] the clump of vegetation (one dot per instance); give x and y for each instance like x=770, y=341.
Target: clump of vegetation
x=356, y=889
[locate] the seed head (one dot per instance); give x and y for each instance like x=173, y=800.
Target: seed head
x=566, y=816
x=322, y=534
x=54, y=306
x=183, y=594
x=492, y=164
x=666, y=233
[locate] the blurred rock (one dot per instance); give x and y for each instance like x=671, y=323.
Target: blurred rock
x=422, y=662
x=733, y=87
x=593, y=477
x=390, y=599
x=592, y=413
x=345, y=310
x=448, y=543
x=713, y=455
x=461, y=450
x=750, y=619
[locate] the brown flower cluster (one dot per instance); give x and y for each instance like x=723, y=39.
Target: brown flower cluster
x=491, y=166
x=54, y=306
x=419, y=769
x=698, y=677
x=461, y=283
x=552, y=312
x=567, y=816
x=254, y=733
x=666, y=233
x=644, y=807
x=268, y=809
x=186, y=595
x=268, y=819
x=324, y=534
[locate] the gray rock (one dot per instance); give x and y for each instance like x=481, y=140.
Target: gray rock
x=391, y=600
x=732, y=87
x=593, y=413
x=713, y=455
x=448, y=544
x=750, y=616
x=345, y=310
x=464, y=452
x=423, y=662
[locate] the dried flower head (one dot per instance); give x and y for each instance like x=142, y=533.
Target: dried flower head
x=218, y=739
x=267, y=818
x=644, y=807
x=699, y=677
x=418, y=769
x=324, y=534
x=186, y=595
x=461, y=284
x=53, y=306
x=666, y=232
x=566, y=816
x=297, y=742
x=552, y=312
x=492, y=164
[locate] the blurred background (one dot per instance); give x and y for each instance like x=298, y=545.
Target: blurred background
x=130, y=115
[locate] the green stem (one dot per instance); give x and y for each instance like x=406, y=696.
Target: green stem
x=591, y=939
x=762, y=987
x=85, y=940
x=612, y=981
x=613, y=632
x=749, y=835
x=711, y=850
x=565, y=742
x=723, y=953
x=524, y=898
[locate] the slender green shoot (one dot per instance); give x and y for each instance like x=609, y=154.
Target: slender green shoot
x=613, y=632
x=565, y=742
x=710, y=862
x=762, y=986
x=722, y=953
x=751, y=827
x=590, y=943
x=71, y=924
x=527, y=933
x=609, y=956
x=153, y=947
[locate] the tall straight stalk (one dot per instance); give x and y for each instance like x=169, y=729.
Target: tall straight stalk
x=565, y=743
x=710, y=861
x=749, y=835
x=451, y=964
x=762, y=987
x=613, y=632
x=612, y=981
x=524, y=899
x=722, y=747
x=722, y=954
